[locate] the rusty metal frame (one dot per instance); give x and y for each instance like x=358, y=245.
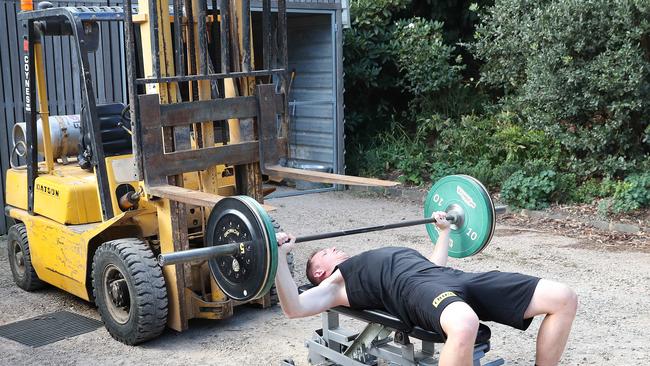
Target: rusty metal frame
x=157, y=120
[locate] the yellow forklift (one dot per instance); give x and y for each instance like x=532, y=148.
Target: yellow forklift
x=141, y=179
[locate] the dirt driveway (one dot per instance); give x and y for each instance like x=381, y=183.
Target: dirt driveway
x=612, y=326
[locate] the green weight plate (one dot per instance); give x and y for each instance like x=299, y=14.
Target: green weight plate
x=266, y=244
x=242, y=276
x=493, y=210
x=271, y=240
x=467, y=196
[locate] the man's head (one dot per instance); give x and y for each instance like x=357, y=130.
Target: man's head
x=321, y=264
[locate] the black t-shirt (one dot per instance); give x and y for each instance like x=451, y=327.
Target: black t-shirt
x=382, y=278
x=406, y=284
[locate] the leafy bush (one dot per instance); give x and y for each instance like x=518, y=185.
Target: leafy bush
x=397, y=150
x=579, y=71
x=491, y=148
x=372, y=93
x=423, y=60
x=632, y=193
x=594, y=189
x=560, y=113
x=422, y=57
x=399, y=69
x=531, y=192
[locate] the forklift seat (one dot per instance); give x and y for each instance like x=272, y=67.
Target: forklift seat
x=116, y=139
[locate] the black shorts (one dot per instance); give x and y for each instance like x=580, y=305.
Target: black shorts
x=502, y=297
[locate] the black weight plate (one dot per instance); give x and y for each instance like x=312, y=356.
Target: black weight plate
x=244, y=275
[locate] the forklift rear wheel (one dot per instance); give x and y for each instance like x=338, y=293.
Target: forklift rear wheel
x=129, y=290
x=20, y=259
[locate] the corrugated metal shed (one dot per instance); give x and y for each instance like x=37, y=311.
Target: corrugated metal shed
x=312, y=101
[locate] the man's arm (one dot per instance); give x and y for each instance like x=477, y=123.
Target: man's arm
x=441, y=250
x=311, y=302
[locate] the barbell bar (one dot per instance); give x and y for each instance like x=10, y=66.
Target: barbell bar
x=241, y=247
x=190, y=255
x=234, y=248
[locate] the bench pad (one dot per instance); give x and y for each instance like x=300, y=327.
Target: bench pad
x=382, y=317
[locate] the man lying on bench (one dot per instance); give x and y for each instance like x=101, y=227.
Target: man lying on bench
x=422, y=291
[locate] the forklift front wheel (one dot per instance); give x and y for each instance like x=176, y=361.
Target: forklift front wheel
x=129, y=290
x=20, y=259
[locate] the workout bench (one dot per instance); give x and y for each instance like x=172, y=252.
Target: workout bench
x=335, y=345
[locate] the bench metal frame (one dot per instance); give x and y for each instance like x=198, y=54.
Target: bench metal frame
x=333, y=344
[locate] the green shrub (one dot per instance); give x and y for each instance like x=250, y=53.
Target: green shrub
x=422, y=57
x=397, y=150
x=562, y=103
x=529, y=191
x=565, y=189
x=424, y=62
x=493, y=147
x=593, y=189
x=587, y=191
x=632, y=194
x=577, y=70
x=372, y=93
x=490, y=149
x=399, y=69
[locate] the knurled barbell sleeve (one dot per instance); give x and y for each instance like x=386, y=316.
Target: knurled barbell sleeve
x=166, y=259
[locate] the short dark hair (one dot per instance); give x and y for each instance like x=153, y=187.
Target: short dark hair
x=309, y=267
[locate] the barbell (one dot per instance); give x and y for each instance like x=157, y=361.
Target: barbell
x=242, y=251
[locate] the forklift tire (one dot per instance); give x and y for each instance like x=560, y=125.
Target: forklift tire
x=129, y=290
x=20, y=259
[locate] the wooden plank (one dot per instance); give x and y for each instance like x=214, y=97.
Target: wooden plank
x=267, y=126
x=96, y=66
x=122, y=64
x=174, y=277
x=190, y=196
x=320, y=177
x=224, y=24
x=11, y=107
x=201, y=159
x=158, y=166
x=178, y=215
x=152, y=143
x=266, y=31
x=181, y=114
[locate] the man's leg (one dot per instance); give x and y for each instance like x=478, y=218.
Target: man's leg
x=460, y=323
x=559, y=303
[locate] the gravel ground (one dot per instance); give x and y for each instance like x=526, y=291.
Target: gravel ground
x=612, y=325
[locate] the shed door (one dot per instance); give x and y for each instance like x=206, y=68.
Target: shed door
x=312, y=98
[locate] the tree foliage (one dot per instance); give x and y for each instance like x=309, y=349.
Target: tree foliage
x=371, y=91
x=548, y=100
x=578, y=70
